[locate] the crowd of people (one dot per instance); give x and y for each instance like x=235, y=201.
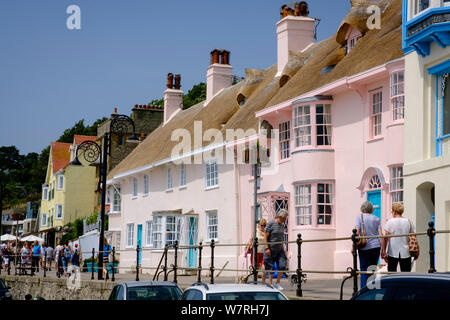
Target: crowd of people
x=395, y=251
x=36, y=256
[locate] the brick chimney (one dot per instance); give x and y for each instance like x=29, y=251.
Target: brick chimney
x=295, y=33
x=173, y=97
x=219, y=74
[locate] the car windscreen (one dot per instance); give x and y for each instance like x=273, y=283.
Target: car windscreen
x=153, y=293
x=245, y=296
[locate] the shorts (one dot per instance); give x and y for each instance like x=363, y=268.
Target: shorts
x=259, y=259
x=278, y=257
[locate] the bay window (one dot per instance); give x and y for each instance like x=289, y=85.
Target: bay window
x=302, y=126
x=312, y=125
x=314, y=204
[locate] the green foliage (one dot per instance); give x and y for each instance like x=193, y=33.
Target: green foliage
x=156, y=102
x=23, y=175
x=196, y=95
x=92, y=219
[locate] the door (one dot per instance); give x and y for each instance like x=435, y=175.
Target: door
x=375, y=198
x=139, y=242
x=193, y=234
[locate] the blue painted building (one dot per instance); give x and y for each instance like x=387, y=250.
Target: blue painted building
x=426, y=43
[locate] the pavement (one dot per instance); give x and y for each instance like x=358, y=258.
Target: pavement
x=313, y=289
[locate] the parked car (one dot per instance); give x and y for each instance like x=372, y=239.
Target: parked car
x=146, y=290
x=203, y=291
x=435, y=286
x=4, y=291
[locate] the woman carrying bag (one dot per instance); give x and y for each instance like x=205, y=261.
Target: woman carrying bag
x=398, y=251
x=368, y=249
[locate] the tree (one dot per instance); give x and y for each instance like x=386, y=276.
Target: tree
x=196, y=95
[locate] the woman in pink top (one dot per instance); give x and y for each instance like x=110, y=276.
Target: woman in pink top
x=398, y=247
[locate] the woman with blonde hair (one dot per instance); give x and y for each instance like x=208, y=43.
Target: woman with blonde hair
x=260, y=250
x=398, y=247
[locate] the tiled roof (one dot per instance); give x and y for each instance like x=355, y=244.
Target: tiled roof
x=78, y=139
x=60, y=155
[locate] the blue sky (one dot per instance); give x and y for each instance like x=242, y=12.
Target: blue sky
x=51, y=77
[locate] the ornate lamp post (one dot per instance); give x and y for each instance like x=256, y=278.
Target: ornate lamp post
x=92, y=152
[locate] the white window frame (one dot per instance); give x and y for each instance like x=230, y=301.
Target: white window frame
x=303, y=205
x=161, y=232
x=135, y=188
x=146, y=185
x=212, y=230
x=169, y=179
x=285, y=139
x=44, y=218
x=117, y=201
x=118, y=238
x=59, y=208
x=60, y=184
x=327, y=134
x=130, y=235
x=398, y=94
x=376, y=115
x=302, y=126
x=149, y=233
x=45, y=191
x=211, y=174
x=397, y=184
x=182, y=175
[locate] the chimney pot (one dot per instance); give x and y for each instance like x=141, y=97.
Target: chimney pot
x=169, y=81
x=177, y=85
x=215, y=56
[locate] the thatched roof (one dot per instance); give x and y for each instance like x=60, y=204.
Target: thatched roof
x=261, y=88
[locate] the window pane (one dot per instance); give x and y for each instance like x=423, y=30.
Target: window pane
x=446, y=107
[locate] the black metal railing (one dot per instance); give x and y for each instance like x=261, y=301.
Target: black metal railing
x=299, y=274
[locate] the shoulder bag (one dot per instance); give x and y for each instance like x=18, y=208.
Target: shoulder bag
x=413, y=244
x=362, y=242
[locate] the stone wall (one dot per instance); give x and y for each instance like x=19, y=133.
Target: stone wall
x=56, y=289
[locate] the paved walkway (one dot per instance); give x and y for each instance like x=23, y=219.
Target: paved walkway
x=313, y=289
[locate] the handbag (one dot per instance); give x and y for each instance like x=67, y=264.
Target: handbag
x=414, y=250
x=362, y=242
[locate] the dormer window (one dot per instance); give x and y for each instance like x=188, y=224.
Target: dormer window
x=353, y=35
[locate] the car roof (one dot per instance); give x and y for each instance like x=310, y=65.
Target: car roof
x=132, y=284
x=220, y=288
x=418, y=276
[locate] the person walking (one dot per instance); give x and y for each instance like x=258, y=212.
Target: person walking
x=24, y=257
x=274, y=253
x=66, y=255
x=398, y=247
x=368, y=224
x=58, y=255
x=106, y=252
x=76, y=256
x=50, y=251
x=260, y=250
x=36, y=256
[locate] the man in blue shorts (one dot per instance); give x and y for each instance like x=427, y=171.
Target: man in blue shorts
x=274, y=253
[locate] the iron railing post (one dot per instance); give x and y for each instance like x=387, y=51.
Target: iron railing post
x=165, y=263
x=212, y=261
x=355, y=263
x=175, y=267
x=137, y=263
x=431, y=235
x=200, y=248
x=93, y=263
x=45, y=263
x=255, y=259
x=113, y=260
x=299, y=266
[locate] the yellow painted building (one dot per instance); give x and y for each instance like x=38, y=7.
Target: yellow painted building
x=68, y=192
